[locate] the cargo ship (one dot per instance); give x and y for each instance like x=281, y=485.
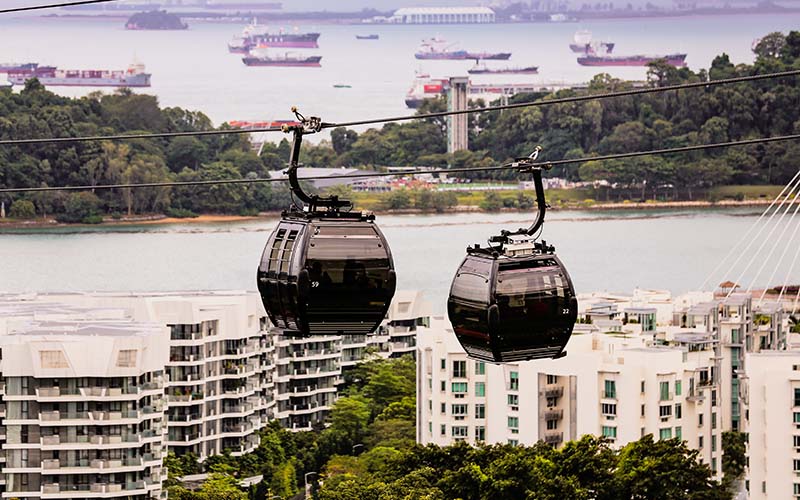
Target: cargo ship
x=49, y=76
x=677, y=60
x=367, y=37
x=251, y=38
x=584, y=44
x=482, y=69
x=437, y=49
x=17, y=67
x=286, y=59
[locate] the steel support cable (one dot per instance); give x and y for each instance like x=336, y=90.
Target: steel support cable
x=53, y=6
x=763, y=240
x=785, y=249
x=519, y=164
x=791, y=267
x=547, y=102
x=762, y=227
x=747, y=233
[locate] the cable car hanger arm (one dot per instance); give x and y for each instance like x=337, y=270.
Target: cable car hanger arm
x=310, y=125
x=529, y=165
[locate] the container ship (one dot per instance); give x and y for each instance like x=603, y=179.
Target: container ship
x=677, y=60
x=583, y=44
x=286, y=59
x=252, y=38
x=17, y=67
x=49, y=76
x=482, y=69
x=437, y=49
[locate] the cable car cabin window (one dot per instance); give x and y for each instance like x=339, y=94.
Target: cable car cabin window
x=275, y=250
x=287, y=251
x=471, y=287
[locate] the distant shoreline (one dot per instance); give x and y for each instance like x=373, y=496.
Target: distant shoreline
x=344, y=18
x=225, y=219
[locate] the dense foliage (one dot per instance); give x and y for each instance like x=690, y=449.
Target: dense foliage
x=663, y=120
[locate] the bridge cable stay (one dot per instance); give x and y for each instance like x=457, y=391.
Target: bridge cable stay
x=763, y=240
x=744, y=237
x=783, y=254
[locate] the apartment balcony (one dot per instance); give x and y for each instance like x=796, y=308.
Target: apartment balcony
x=329, y=371
x=196, y=397
x=553, y=392
x=554, y=414
x=695, y=396
x=189, y=418
x=186, y=358
x=554, y=438
x=668, y=396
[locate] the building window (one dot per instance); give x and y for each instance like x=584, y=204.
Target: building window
x=430, y=384
x=679, y=432
x=678, y=387
x=796, y=465
x=664, y=389
x=796, y=417
x=52, y=359
x=610, y=389
x=443, y=429
x=443, y=407
x=643, y=408
x=678, y=410
x=458, y=387
x=459, y=431
x=713, y=443
x=443, y=364
x=459, y=410
x=552, y=425
x=609, y=408
x=609, y=432
x=480, y=411
x=796, y=440
x=552, y=379
x=480, y=433
x=713, y=420
x=459, y=369
x=513, y=422
x=714, y=465
x=700, y=442
x=513, y=382
x=700, y=420
x=480, y=389
x=665, y=411
x=796, y=489
x=480, y=368
x=430, y=427
x=665, y=433
x=642, y=390
x=126, y=358
x=444, y=385
x=513, y=442
x=430, y=405
x=513, y=399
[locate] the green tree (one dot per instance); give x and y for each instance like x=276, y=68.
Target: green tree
x=734, y=459
x=80, y=207
x=491, y=202
x=397, y=199
x=22, y=209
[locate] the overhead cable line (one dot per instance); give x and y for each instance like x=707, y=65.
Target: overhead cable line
x=520, y=164
x=546, y=102
x=564, y=100
x=53, y=6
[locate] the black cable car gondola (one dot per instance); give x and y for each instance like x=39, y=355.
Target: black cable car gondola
x=325, y=271
x=514, y=300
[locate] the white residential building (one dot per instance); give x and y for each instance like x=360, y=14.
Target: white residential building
x=771, y=399
x=83, y=403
